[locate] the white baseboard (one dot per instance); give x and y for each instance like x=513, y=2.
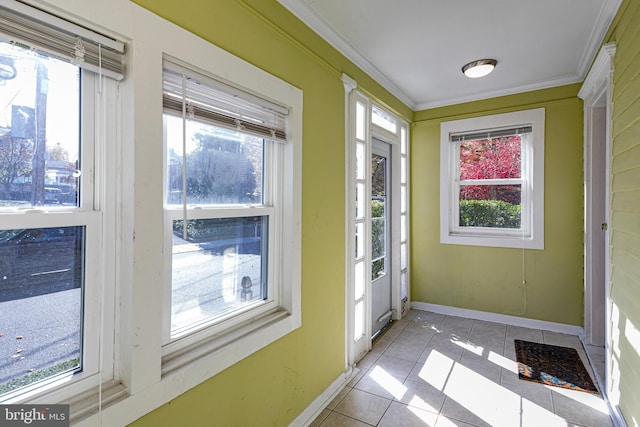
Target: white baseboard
x=312, y=411
x=499, y=318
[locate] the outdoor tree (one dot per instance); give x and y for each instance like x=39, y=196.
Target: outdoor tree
x=220, y=170
x=58, y=152
x=486, y=205
x=15, y=159
x=495, y=158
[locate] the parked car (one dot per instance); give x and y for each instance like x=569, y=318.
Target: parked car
x=38, y=261
x=53, y=195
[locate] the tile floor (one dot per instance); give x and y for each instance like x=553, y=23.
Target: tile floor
x=434, y=370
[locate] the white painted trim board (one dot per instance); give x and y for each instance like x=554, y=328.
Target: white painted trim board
x=499, y=318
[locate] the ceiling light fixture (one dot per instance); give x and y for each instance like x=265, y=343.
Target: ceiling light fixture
x=479, y=68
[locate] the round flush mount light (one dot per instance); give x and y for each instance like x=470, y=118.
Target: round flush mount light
x=479, y=68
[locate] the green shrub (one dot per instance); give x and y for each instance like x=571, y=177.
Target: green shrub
x=489, y=213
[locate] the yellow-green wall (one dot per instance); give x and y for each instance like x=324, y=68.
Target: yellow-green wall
x=490, y=279
x=273, y=386
x=625, y=220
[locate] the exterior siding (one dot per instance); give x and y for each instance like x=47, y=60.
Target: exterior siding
x=625, y=220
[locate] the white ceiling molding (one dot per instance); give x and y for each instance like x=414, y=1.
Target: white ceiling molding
x=606, y=16
x=502, y=92
x=595, y=26
x=304, y=13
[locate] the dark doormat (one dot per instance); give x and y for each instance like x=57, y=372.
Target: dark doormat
x=552, y=365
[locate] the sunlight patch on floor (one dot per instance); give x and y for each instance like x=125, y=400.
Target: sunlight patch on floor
x=436, y=369
x=503, y=362
x=388, y=382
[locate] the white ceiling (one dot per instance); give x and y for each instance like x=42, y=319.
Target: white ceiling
x=416, y=48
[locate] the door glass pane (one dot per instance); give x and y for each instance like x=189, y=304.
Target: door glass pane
x=39, y=129
x=219, y=268
x=378, y=216
x=41, y=279
x=222, y=166
x=490, y=206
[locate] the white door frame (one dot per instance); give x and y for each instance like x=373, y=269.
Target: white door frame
x=360, y=128
x=596, y=93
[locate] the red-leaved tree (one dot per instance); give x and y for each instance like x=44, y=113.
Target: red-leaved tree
x=494, y=158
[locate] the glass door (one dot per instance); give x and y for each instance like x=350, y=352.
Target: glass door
x=380, y=237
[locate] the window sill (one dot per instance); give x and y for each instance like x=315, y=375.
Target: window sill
x=87, y=404
x=493, y=241
x=236, y=343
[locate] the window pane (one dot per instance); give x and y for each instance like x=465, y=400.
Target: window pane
x=360, y=121
x=490, y=206
x=223, y=166
x=41, y=279
x=220, y=268
x=403, y=141
x=360, y=161
x=494, y=158
x=360, y=198
x=359, y=285
x=384, y=120
x=39, y=129
x=359, y=240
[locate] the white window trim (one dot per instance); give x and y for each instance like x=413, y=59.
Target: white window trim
x=141, y=383
x=226, y=343
x=531, y=235
x=97, y=212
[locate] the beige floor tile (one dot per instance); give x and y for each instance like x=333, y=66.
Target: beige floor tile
x=448, y=345
x=338, y=398
x=581, y=408
x=563, y=340
x=380, y=383
x=445, y=371
x=320, y=418
x=406, y=348
x=443, y=421
x=459, y=325
x=338, y=420
x=369, y=359
x=400, y=415
x=480, y=365
x=396, y=367
x=422, y=395
x=538, y=394
x=363, y=406
x=420, y=334
x=455, y=412
x=525, y=334
x=357, y=378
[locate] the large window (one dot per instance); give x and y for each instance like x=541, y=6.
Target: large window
x=492, y=180
x=51, y=213
x=225, y=197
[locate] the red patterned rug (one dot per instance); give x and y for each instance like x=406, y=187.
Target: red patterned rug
x=552, y=365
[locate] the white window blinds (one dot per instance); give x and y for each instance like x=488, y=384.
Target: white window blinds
x=208, y=100
x=487, y=134
x=27, y=26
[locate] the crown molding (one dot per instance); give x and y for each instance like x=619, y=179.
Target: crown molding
x=303, y=11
